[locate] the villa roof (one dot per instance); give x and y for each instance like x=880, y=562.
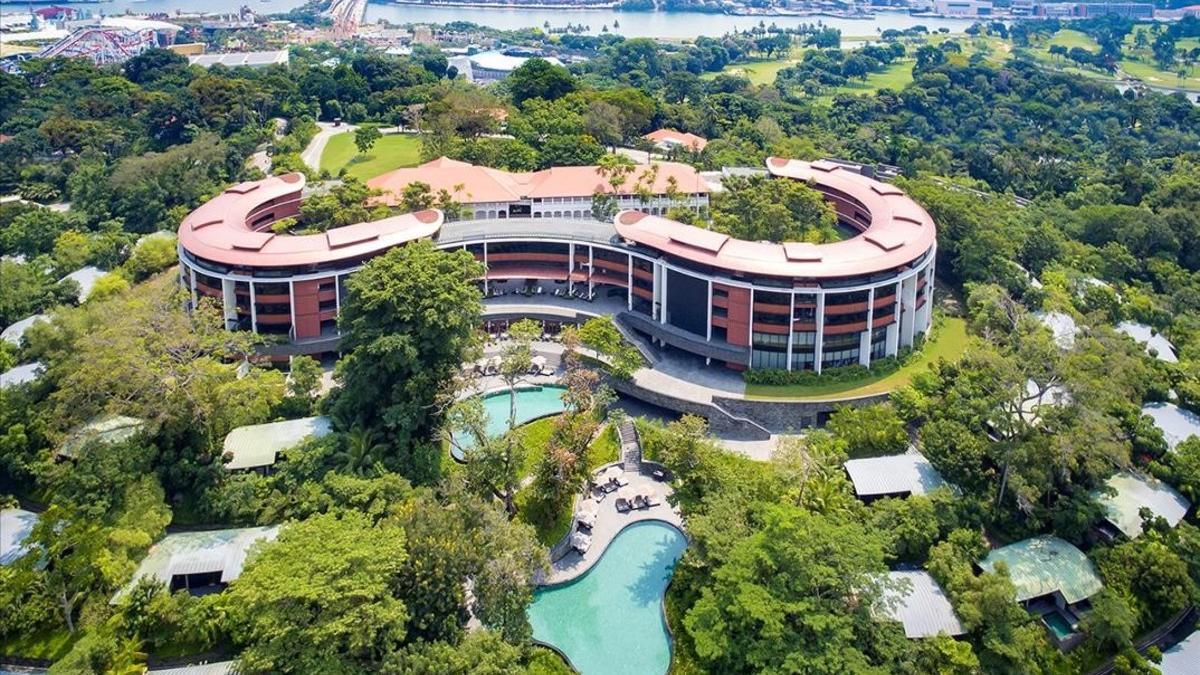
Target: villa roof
x=1176, y=424
x=1183, y=657
x=471, y=184
x=259, y=444
x=921, y=605
x=1061, y=325
x=899, y=231
x=1156, y=344
x=86, y=277
x=108, y=429
x=223, y=229
x=216, y=668
x=1135, y=492
x=15, y=527
x=15, y=331
x=1043, y=565
x=673, y=137
x=185, y=553
x=909, y=473
x=22, y=374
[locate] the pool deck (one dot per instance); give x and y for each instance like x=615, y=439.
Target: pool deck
x=610, y=522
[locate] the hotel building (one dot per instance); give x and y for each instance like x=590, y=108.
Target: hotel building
x=738, y=303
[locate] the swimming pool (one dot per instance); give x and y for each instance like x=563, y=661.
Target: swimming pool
x=1058, y=625
x=532, y=403
x=610, y=620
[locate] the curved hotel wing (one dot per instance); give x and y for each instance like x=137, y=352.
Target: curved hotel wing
x=741, y=303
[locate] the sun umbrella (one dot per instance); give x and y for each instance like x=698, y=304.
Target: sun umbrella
x=586, y=518
x=538, y=362
x=581, y=541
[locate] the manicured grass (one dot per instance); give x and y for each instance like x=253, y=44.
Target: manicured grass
x=896, y=76
x=759, y=71
x=1072, y=38
x=51, y=645
x=1149, y=73
x=550, y=527
x=390, y=152
x=948, y=342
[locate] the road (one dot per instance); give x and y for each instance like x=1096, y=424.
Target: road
x=312, y=154
x=347, y=15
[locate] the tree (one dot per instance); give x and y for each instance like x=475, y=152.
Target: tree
x=319, y=598
x=304, y=376
x=795, y=595
x=407, y=321
x=360, y=451
x=869, y=431
x=538, y=78
x=759, y=209
x=1112, y=621
x=365, y=138
x=152, y=255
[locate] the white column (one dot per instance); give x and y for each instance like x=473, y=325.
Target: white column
x=893, y=329
x=337, y=294
x=864, y=345
x=570, y=265
x=229, y=301
x=908, y=315
x=253, y=309
x=791, y=326
x=750, y=332
x=591, y=267
x=662, y=309
x=819, y=340
x=195, y=294
x=292, y=308
x=708, y=326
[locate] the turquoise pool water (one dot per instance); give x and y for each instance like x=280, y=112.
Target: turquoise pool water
x=609, y=621
x=1058, y=625
x=532, y=403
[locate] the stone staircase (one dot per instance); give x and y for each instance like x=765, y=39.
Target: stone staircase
x=631, y=447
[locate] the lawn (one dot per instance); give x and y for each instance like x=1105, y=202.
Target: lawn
x=390, y=152
x=50, y=645
x=948, y=342
x=1073, y=38
x=550, y=527
x=896, y=76
x=759, y=71
x=1149, y=73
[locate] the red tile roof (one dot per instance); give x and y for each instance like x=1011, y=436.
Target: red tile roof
x=673, y=137
x=219, y=230
x=900, y=231
x=475, y=184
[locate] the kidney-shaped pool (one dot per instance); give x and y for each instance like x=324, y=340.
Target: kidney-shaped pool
x=610, y=620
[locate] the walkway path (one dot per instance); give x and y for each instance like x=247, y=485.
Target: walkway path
x=610, y=522
x=316, y=147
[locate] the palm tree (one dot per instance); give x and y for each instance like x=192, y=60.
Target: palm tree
x=360, y=451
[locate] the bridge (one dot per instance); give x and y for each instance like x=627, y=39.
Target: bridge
x=346, y=15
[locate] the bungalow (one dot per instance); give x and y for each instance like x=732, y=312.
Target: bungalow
x=199, y=562
x=1053, y=580
x=105, y=430
x=920, y=604
x=257, y=446
x=86, y=278
x=893, y=476
x=1182, y=658
x=1155, y=343
x=1062, y=326
x=22, y=374
x=667, y=140
x=15, y=527
x=14, y=333
x=1135, y=492
x=1176, y=424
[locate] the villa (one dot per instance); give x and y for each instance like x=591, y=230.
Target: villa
x=920, y=604
x=1177, y=424
x=199, y=562
x=15, y=527
x=738, y=304
x=1135, y=492
x=86, y=278
x=667, y=140
x=257, y=446
x=1155, y=343
x=893, y=476
x=1062, y=326
x=558, y=192
x=15, y=332
x=23, y=374
x=1053, y=580
x=105, y=430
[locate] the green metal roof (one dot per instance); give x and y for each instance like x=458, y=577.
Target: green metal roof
x=184, y=553
x=1043, y=565
x=1134, y=492
x=258, y=444
x=107, y=430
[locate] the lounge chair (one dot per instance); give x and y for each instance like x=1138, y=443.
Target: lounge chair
x=623, y=505
x=622, y=482
x=547, y=371
x=640, y=502
x=651, y=501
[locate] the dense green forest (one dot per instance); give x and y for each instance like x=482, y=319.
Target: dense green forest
x=1041, y=183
